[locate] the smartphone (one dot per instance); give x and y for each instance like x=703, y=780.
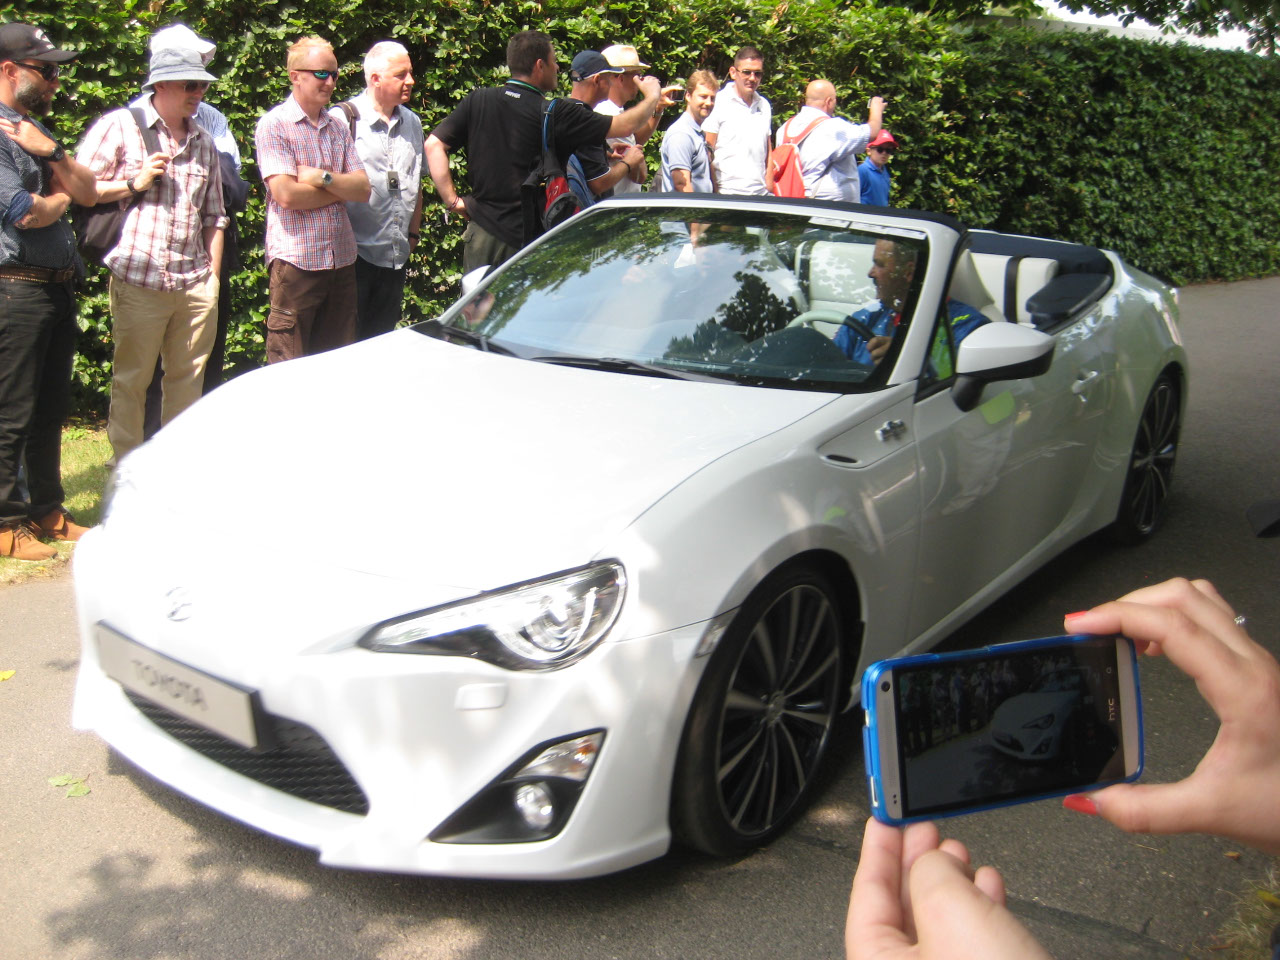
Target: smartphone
x=675, y=94
x=952, y=733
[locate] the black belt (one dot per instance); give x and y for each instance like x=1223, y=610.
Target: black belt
x=17, y=271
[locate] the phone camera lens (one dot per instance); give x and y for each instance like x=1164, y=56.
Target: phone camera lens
x=884, y=686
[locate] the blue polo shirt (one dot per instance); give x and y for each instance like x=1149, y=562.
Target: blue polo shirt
x=875, y=182
x=963, y=318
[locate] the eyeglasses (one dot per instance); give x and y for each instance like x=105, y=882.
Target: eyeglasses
x=323, y=75
x=49, y=71
x=888, y=150
x=751, y=73
x=191, y=86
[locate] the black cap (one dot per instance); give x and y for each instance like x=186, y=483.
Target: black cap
x=21, y=41
x=588, y=63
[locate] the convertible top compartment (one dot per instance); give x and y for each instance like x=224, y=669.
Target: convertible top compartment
x=1040, y=282
x=1064, y=296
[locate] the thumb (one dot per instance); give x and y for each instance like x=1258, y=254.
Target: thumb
x=949, y=910
x=1144, y=808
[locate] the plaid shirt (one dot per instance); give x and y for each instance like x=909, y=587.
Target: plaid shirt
x=162, y=244
x=319, y=239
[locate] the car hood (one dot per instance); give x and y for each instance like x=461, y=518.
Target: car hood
x=407, y=457
x=1026, y=707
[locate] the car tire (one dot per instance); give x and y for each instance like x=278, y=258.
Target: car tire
x=1150, y=475
x=757, y=735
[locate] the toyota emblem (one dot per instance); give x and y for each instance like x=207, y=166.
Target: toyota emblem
x=178, y=603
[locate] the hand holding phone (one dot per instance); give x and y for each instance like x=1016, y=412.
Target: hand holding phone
x=957, y=732
x=1235, y=790
x=917, y=895
x=673, y=93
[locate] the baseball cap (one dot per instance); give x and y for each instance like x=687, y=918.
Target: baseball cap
x=625, y=56
x=588, y=63
x=21, y=41
x=882, y=138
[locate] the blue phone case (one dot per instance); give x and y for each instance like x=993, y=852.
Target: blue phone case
x=871, y=742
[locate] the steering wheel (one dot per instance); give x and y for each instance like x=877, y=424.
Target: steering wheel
x=825, y=315
x=860, y=328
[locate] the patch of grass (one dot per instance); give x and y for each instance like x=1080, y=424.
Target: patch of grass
x=85, y=452
x=1247, y=935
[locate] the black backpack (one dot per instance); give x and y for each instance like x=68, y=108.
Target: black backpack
x=545, y=196
x=98, y=228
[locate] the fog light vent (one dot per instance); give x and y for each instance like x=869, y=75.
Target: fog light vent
x=533, y=798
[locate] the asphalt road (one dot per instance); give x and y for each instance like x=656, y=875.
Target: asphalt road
x=134, y=870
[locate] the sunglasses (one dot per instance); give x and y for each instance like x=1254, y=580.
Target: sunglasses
x=889, y=150
x=191, y=86
x=751, y=73
x=49, y=71
x=322, y=75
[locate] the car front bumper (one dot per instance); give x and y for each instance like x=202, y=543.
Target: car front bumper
x=418, y=737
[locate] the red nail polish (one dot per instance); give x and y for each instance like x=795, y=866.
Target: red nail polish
x=1080, y=803
x=1078, y=613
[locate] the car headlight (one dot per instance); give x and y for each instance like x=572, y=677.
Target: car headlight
x=540, y=625
x=1039, y=723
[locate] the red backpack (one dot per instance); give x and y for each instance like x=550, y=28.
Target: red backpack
x=784, y=162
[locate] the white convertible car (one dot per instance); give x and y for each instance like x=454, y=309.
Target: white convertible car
x=595, y=560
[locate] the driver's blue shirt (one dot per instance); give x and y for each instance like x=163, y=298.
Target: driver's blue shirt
x=963, y=318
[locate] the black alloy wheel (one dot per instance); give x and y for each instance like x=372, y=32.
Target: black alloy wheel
x=758, y=731
x=1150, y=476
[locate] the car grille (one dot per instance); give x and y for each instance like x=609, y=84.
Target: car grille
x=300, y=764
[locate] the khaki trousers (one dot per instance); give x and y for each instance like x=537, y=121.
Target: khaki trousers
x=177, y=326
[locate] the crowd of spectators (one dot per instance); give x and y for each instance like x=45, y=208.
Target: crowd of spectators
x=344, y=208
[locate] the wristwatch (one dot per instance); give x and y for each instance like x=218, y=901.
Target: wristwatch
x=58, y=154
x=326, y=178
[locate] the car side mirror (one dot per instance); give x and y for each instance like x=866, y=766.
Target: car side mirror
x=998, y=351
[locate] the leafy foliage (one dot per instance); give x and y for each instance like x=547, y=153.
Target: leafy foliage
x=1166, y=154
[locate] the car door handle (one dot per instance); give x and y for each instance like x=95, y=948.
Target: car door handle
x=1083, y=380
x=891, y=430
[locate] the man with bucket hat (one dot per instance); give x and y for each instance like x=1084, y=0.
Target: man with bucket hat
x=159, y=161
x=38, y=269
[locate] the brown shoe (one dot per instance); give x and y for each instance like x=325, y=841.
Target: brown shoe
x=19, y=542
x=57, y=524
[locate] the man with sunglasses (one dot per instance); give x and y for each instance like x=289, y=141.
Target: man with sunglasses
x=873, y=172
x=165, y=268
x=739, y=130
x=312, y=170
x=38, y=268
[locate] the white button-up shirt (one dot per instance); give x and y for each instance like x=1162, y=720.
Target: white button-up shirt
x=382, y=225
x=829, y=154
x=626, y=184
x=742, y=133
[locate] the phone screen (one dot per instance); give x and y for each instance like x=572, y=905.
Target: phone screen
x=977, y=731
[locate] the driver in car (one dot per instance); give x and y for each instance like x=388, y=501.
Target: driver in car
x=893, y=265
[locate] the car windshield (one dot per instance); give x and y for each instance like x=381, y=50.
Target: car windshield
x=760, y=298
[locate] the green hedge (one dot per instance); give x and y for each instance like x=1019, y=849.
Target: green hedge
x=1167, y=154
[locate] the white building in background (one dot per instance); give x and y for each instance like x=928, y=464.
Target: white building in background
x=1140, y=30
